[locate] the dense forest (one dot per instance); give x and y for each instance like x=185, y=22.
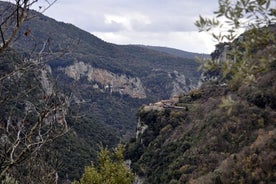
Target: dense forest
x=88, y=111
x=65, y=93
x=224, y=131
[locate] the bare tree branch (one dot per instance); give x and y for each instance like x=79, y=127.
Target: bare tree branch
x=33, y=112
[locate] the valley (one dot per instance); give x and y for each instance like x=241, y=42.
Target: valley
x=77, y=109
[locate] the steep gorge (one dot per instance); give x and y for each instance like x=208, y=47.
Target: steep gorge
x=105, y=84
x=222, y=132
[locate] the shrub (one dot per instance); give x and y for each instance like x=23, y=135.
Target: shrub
x=111, y=169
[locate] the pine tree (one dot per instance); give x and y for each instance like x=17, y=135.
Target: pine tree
x=111, y=169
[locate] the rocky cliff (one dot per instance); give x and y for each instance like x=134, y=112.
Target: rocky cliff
x=105, y=83
x=200, y=140
x=222, y=132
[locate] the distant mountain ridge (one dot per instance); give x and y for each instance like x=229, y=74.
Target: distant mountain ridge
x=107, y=83
x=177, y=52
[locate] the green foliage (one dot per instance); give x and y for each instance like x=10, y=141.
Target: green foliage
x=236, y=15
x=240, y=61
x=227, y=103
x=206, y=144
x=111, y=169
x=210, y=143
x=106, y=116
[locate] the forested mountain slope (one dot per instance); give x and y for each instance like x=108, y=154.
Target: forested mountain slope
x=177, y=52
x=105, y=83
x=223, y=132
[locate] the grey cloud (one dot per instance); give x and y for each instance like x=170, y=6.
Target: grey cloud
x=99, y=25
x=167, y=24
x=140, y=17
x=165, y=15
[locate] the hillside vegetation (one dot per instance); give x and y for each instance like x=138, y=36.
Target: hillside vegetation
x=176, y=52
x=222, y=135
x=64, y=92
x=224, y=131
x=104, y=84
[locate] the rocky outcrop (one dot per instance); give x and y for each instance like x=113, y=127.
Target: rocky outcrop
x=163, y=104
x=141, y=127
x=46, y=84
x=180, y=85
x=107, y=81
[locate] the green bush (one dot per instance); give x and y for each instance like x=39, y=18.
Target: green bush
x=111, y=169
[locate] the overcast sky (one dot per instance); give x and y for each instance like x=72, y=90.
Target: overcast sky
x=167, y=23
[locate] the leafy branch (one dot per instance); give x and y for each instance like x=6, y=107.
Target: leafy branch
x=239, y=60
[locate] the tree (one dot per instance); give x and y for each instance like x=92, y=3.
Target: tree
x=233, y=16
x=111, y=169
x=13, y=16
x=32, y=110
x=241, y=60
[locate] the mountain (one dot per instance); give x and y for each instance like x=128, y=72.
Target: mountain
x=196, y=140
x=32, y=117
x=105, y=84
x=177, y=52
x=222, y=132
x=107, y=78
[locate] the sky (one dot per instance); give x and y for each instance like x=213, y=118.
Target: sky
x=168, y=23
